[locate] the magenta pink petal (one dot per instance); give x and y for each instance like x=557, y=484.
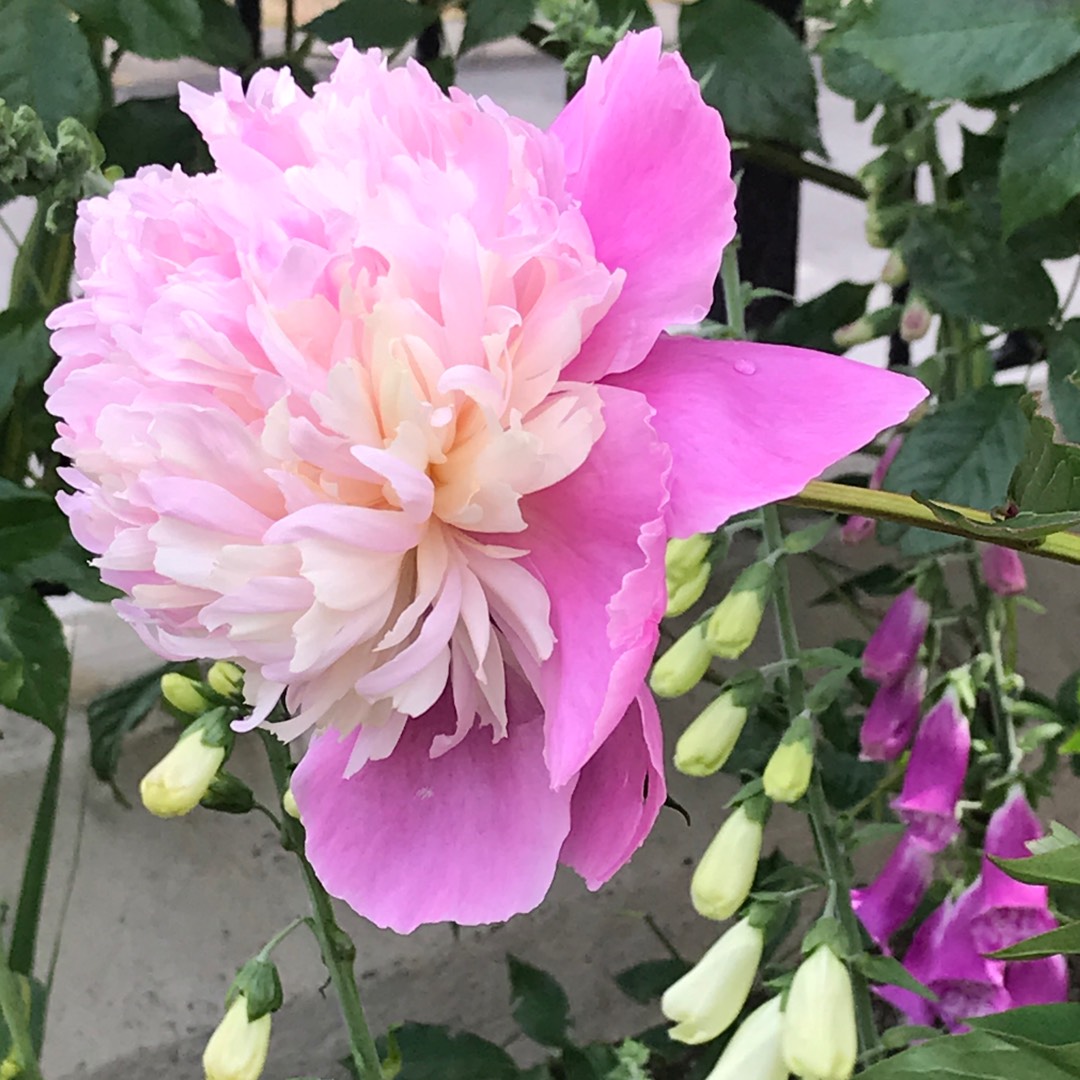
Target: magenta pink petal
x=472, y=836
x=618, y=795
x=596, y=542
x=650, y=163
x=749, y=424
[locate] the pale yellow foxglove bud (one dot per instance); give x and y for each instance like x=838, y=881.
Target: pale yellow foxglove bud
x=754, y=1050
x=681, y=668
x=226, y=678
x=176, y=784
x=183, y=694
x=734, y=623
x=707, y=743
x=723, y=878
x=683, y=557
x=788, y=773
x=683, y=595
x=819, y=1038
x=288, y=804
x=237, y=1050
x=707, y=1000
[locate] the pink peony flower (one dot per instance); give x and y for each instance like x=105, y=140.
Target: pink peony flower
x=383, y=409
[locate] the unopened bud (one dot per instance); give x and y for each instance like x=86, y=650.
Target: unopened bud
x=683, y=557
x=238, y=1048
x=894, y=272
x=683, y=595
x=183, y=693
x=229, y=795
x=707, y=743
x=1003, y=571
x=182, y=778
x=683, y=666
x=915, y=321
x=734, y=622
x=788, y=773
x=226, y=678
x=288, y=804
x=723, y=878
x=819, y=1036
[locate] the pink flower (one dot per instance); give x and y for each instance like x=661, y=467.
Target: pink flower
x=893, y=646
x=893, y=716
x=1003, y=570
x=858, y=528
x=1037, y=982
x=383, y=409
x=935, y=775
x=919, y=961
x=892, y=897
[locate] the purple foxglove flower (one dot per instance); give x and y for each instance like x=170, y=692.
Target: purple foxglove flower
x=918, y=961
x=1003, y=571
x=1010, y=910
x=858, y=528
x=892, y=897
x=893, y=716
x=1037, y=982
x=893, y=646
x=935, y=774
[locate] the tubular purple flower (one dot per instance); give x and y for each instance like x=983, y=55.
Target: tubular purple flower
x=858, y=528
x=1037, y=982
x=935, y=774
x=1003, y=570
x=918, y=960
x=893, y=646
x=892, y=897
x=1010, y=911
x=893, y=716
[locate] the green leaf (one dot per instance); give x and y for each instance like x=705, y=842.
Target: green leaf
x=1040, y=167
x=804, y=540
x=964, y=453
x=889, y=971
x=28, y=624
x=386, y=24
x=1047, y=478
x=223, y=42
x=540, y=1005
x=736, y=48
x=616, y=12
x=1050, y=1025
x=958, y=260
x=45, y=62
x=647, y=981
x=812, y=324
x=158, y=29
x=966, y=49
x=30, y=524
x=1063, y=377
x=152, y=131
x=35, y=1000
x=853, y=76
x=1063, y=941
x=66, y=565
x=1027, y=527
x=25, y=355
x=429, y=1052
x=1060, y=867
x=587, y=1062
x=492, y=20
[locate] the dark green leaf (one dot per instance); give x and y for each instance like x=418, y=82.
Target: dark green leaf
x=45, y=62
x=616, y=12
x=736, y=50
x=429, y=1052
x=387, y=24
x=1040, y=168
x=1027, y=527
x=889, y=971
x=67, y=565
x=1060, y=867
x=152, y=131
x=853, y=76
x=587, y=1062
x=25, y=355
x=492, y=20
x=28, y=623
x=223, y=42
x=35, y=1001
x=647, y=981
x=1047, y=478
x=1050, y=1025
x=11, y=665
x=30, y=524
x=964, y=453
x=158, y=29
x=966, y=49
x=1065, y=940
x=1063, y=377
x=541, y=1008
x=812, y=323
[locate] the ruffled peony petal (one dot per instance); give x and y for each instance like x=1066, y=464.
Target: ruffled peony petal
x=749, y=424
x=605, y=581
x=651, y=164
x=471, y=836
x=618, y=795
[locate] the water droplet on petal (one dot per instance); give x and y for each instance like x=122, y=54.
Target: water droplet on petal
x=745, y=367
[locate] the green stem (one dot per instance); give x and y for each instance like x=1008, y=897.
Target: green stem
x=785, y=614
x=733, y=301
x=281, y=935
x=13, y=1008
x=290, y=27
x=776, y=157
x=338, y=950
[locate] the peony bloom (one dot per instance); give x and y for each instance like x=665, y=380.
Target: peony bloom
x=1003, y=570
x=893, y=646
x=819, y=1038
x=383, y=410
x=754, y=1050
x=893, y=716
x=892, y=897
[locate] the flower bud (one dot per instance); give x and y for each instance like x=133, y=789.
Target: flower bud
x=237, y=1050
x=754, y=1052
x=229, y=794
x=893, y=716
x=788, y=773
x=894, y=272
x=181, y=779
x=707, y=1000
x=858, y=528
x=681, y=668
x=226, y=679
x=734, y=623
x=725, y=875
x=183, y=693
x=288, y=804
x=893, y=646
x=707, y=743
x=1003, y=571
x=915, y=320
x=819, y=1037
x=682, y=596
x=858, y=332
x=683, y=557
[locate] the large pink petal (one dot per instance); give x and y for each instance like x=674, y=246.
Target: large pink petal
x=651, y=166
x=619, y=793
x=749, y=424
x=596, y=542
x=472, y=836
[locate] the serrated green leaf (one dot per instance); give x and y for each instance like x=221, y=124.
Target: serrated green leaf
x=1060, y=867
x=1048, y=1025
x=492, y=20
x=813, y=323
x=1047, y=478
x=735, y=49
x=1063, y=377
x=223, y=42
x=157, y=29
x=616, y=12
x=152, y=131
x=28, y=624
x=853, y=76
x=385, y=24
x=66, y=565
x=430, y=1052
x=587, y=1062
x=1026, y=527
x=966, y=49
x=540, y=1005
x=890, y=972
x=30, y=524
x=45, y=62
x=962, y=454
x=828, y=657
x=1063, y=941
x=647, y=981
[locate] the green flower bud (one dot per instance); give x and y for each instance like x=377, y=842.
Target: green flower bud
x=183, y=693
x=788, y=773
x=238, y=1048
x=182, y=778
x=686, y=593
x=682, y=667
x=894, y=272
x=683, y=557
x=228, y=794
x=734, y=623
x=704, y=747
x=725, y=875
x=227, y=679
x=288, y=804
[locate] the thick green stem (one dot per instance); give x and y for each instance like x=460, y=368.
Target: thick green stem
x=338, y=950
x=13, y=1008
x=776, y=157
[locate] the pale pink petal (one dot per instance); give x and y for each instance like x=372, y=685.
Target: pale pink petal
x=471, y=836
x=605, y=581
x=651, y=165
x=619, y=793
x=749, y=424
